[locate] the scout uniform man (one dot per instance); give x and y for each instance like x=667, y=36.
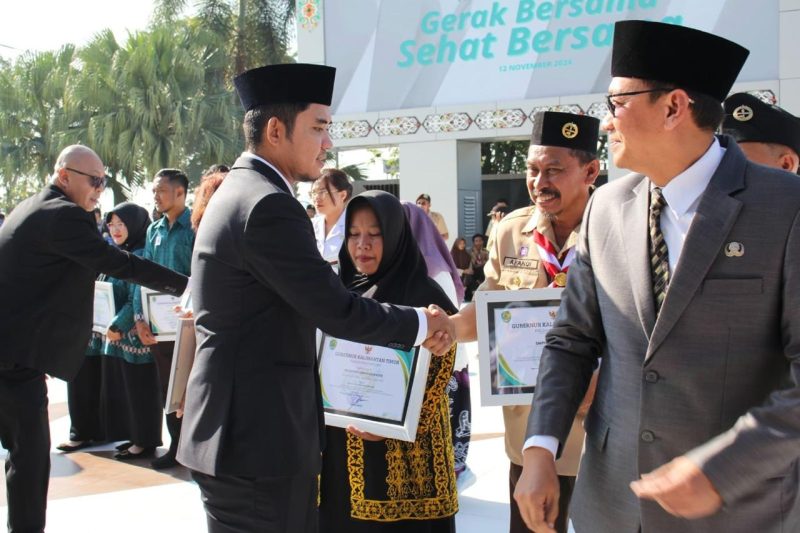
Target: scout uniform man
x=767, y=134
x=533, y=248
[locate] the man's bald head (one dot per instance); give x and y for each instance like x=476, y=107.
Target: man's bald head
x=80, y=173
x=77, y=155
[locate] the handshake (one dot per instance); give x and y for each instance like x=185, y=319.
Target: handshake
x=441, y=330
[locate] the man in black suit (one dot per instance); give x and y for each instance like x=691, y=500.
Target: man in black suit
x=253, y=422
x=50, y=254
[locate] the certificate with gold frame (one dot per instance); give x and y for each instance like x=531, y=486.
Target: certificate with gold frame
x=511, y=336
x=374, y=388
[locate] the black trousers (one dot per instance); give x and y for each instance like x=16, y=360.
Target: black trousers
x=25, y=433
x=259, y=505
x=565, y=483
x=162, y=352
x=84, y=401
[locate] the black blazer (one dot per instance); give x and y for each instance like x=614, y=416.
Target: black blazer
x=50, y=254
x=260, y=288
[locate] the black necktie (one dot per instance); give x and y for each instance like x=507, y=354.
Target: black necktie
x=659, y=255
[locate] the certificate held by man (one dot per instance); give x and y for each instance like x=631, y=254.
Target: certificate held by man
x=375, y=388
x=511, y=330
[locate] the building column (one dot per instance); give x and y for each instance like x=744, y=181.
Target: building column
x=450, y=172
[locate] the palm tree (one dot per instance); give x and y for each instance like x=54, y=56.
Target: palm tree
x=152, y=103
x=32, y=118
x=261, y=29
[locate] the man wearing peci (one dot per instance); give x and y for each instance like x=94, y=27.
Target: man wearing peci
x=533, y=248
x=50, y=254
x=253, y=421
x=686, y=283
x=767, y=134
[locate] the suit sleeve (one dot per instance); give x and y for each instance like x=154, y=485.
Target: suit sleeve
x=572, y=347
x=147, y=253
x=281, y=253
x=765, y=441
x=73, y=235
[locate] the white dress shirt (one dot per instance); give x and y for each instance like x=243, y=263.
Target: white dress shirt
x=330, y=244
x=682, y=194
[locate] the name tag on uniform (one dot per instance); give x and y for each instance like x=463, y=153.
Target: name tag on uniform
x=158, y=240
x=515, y=262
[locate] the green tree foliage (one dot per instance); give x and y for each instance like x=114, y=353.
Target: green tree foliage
x=504, y=157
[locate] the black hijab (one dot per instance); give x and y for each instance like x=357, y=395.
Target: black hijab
x=402, y=277
x=136, y=219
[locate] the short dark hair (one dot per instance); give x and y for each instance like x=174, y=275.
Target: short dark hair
x=175, y=177
x=481, y=235
x=583, y=157
x=339, y=181
x=707, y=111
x=214, y=169
x=256, y=120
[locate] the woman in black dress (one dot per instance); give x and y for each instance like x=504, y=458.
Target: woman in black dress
x=370, y=484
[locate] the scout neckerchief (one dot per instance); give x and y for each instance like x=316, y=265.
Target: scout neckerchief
x=556, y=269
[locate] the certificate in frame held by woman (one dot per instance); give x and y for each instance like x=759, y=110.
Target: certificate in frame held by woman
x=511, y=337
x=104, y=307
x=374, y=388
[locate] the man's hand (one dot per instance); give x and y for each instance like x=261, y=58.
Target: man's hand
x=144, y=333
x=441, y=331
x=681, y=488
x=113, y=335
x=364, y=435
x=537, y=491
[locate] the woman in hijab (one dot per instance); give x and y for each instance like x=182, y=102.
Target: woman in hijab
x=442, y=269
x=371, y=484
x=131, y=400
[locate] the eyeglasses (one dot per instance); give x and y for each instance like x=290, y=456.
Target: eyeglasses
x=315, y=194
x=98, y=182
x=612, y=107
x=121, y=225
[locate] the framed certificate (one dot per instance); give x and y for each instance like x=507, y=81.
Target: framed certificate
x=373, y=388
x=159, y=315
x=182, y=361
x=511, y=336
x=105, y=308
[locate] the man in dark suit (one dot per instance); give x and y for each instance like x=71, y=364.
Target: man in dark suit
x=253, y=420
x=50, y=254
x=686, y=283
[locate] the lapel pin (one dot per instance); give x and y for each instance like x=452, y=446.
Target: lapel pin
x=734, y=249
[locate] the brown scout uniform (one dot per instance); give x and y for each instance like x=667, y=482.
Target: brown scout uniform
x=514, y=264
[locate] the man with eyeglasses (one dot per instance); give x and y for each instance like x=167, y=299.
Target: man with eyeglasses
x=686, y=284
x=50, y=254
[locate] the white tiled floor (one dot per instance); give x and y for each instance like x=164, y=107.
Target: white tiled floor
x=176, y=507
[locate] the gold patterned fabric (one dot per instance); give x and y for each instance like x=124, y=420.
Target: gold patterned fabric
x=395, y=480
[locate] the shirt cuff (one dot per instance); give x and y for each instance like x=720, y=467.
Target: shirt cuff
x=422, y=334
x=542, y=441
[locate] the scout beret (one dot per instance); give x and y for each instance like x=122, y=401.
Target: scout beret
x=568, y=130
x=285, y=83
x=684, y=57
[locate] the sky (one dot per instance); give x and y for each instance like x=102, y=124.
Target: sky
x=49, y=24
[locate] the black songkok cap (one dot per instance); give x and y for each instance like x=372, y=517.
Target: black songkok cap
x=553, y=128
x=687, y=58
x=287, y=83
x=748, y=119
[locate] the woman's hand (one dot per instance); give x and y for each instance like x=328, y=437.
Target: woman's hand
x=364, y=435
x=113, y=335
